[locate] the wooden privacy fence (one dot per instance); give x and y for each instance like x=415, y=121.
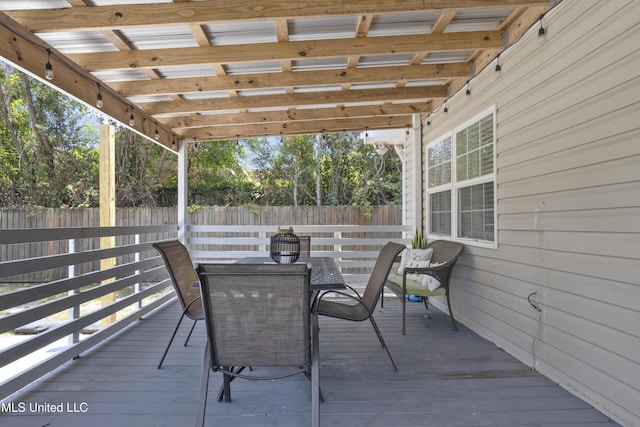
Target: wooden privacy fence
x=349, y=233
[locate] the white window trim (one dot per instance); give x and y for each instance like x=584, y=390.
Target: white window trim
x=454, y=185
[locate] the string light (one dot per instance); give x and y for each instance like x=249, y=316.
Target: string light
x=48, y=68
x=541, y=31
x=468, y=91
x=429, y=119
x=99, y=102
x=498, y=66
x=132, y=120
x=157, y=134
x=446, y=109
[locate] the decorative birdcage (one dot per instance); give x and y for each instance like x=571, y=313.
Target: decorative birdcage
x=285, y=248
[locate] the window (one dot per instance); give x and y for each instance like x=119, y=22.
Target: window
x=461, y=182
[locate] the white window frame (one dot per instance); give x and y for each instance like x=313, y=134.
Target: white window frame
x=454, y=186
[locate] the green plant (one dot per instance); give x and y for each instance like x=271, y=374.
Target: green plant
x=419, y=241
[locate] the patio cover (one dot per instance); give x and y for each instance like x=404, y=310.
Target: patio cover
x=212, y=70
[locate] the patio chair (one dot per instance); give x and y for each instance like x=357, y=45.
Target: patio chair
x=445, y=254
x=185, y=283
x=258, y=315
x=363, y=307
x=305, y=246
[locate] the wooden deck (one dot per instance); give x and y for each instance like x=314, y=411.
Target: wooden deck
x=446, y=378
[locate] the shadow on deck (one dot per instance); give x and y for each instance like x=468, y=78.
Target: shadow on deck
x=445, y=378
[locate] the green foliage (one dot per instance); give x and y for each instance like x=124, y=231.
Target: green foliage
x=193, y=208
x=49, y=157
x=217, y=175
x=344, y=169
x=46, y=146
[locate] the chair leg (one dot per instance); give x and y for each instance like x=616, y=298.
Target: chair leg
x=384, y=345
x=455, y=326
x=404, y=310
x=226, y=385
x=204, y=388
x=309, y=375
x=315, y=373
x=221, y=393
x=166, y=350
x=190, y=332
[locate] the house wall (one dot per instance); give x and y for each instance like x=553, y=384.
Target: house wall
x=568, y=200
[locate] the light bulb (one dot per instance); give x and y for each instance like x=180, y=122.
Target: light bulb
x=48, y=71
x=48, y=68
x=132, y=120
x=541, y=34
x=99, y=102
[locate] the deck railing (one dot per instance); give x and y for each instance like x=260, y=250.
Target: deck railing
x=82, y=309
x=354, y=247
x=106, y=289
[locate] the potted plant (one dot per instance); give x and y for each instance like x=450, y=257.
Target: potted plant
x=419, y=241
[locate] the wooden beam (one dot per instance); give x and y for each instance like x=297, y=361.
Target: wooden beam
x=293, y=50
x=296, y=115
x=28, y=53
x=296, y=128
x=107, y=166
x=114, y=17
x=296, y=79
x=295, y=99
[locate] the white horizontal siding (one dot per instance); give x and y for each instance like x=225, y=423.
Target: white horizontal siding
x=568, y=161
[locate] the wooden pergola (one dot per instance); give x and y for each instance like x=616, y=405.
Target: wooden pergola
x=209, y=70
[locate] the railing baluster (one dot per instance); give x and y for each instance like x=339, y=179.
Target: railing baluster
x=74, y=312
x=136, y=257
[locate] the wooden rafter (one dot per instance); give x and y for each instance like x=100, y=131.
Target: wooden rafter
x=138, y=15
x=296, y=79
x=293, y=50
x=293, y=100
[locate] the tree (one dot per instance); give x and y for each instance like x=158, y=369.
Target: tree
x=217, y=175
x=336, y=169
x=48, y=146
x=49, y=157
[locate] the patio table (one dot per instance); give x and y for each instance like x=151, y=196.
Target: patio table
x=325, y=275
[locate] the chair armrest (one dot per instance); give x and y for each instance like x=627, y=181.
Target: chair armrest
x=342, y=293
x=355, y=297
x=426, y=270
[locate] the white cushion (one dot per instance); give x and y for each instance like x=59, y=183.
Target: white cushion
x=430, y=282
x=415, y=258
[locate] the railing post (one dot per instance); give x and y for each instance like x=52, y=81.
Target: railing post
x=337, y=247
x=136, y=258
x=74, y=312
x=262, y=247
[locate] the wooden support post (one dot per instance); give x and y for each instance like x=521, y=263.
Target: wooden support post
x=107, y=205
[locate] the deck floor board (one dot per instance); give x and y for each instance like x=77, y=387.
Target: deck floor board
x=445, y=378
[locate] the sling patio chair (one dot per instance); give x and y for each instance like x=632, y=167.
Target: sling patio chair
x=258, y=315
x=364, y=306
x=185, y=283
x=443, y=258
x=305, y=246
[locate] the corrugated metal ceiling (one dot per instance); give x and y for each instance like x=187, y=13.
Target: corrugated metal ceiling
x=283, y=55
